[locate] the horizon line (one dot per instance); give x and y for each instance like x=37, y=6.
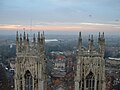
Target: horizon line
x=84, y=27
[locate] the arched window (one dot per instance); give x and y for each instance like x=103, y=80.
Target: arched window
x=90, y=81
x=28, y=81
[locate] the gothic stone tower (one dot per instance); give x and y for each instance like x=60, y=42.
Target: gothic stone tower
x=30, y=63
x=90, y=72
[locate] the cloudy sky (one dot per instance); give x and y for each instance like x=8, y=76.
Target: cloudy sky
x=70, y=15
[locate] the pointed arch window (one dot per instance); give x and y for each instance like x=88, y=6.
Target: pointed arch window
x=90, y=81
x=28, y=80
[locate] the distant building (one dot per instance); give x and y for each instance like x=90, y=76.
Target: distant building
x=69, y=64
x=59, y=66
x=12, y=63
x=30, y=67
x=113, y=73
x=113, y=63
x=90, y=69
x=60, y=88
x=59, y=63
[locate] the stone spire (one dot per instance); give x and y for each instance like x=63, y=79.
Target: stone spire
x=34, y=40
x=25, y=40
x=92, y=43
x=89, y=43
x=101, y=43
x=17, y=41
x=38, y=37
x=43, y=33
x=24, y=37
x=39, y=42
x=27, y=43
x=17, y=37
x=42, y=38
x=20, y=41
x=99, y=37
x=80, y=41
x=103, y=35
x=99, y=34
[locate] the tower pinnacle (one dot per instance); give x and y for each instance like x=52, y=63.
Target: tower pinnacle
x=20, y=41
x=17, y=41
x=34, y=40
x=80, y=41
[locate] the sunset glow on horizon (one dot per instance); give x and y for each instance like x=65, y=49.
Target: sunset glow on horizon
x=85, y=27
x=60, y=15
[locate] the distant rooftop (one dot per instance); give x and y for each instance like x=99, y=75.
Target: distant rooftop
x=110, y=58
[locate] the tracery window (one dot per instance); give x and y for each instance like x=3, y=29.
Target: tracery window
x=28, y=81
x=90, y=81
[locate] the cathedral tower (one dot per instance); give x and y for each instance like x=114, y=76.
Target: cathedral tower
x=30, y=68
x=90, y=72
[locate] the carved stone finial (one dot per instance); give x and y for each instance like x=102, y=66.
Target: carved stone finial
x=24, y=36
x=20, y=40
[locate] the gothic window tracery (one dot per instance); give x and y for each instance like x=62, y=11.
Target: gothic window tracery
x=90, y=81
x=28, y=81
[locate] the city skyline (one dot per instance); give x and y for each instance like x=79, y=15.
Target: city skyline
x=60, y=15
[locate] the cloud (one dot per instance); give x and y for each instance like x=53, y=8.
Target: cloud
x=75, y=11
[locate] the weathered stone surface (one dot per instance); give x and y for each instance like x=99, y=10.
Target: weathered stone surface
x=90, y=72
x=30, y=64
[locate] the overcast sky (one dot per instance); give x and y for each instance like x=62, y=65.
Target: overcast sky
x=86, y=15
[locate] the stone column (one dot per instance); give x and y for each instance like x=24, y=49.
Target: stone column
x=91, y=84
x=103, y=79
x=76, y=85
x=84, y=84
x=99, y=85
x=81, y=84
x=95, y=83
x=41, y=85
x=23, y=82
x=33, y=83
x=103, y=86
x=88, y=83
x=16, y=83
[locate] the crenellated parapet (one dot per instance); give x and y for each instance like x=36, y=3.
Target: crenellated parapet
x=25, y=45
